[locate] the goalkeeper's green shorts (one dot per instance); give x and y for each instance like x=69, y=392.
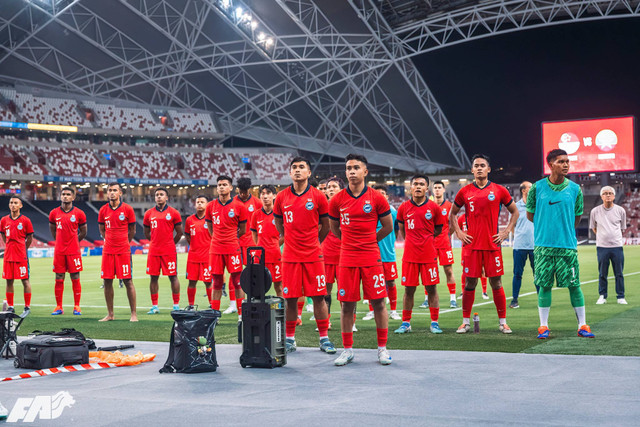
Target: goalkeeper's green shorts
x=559, y=263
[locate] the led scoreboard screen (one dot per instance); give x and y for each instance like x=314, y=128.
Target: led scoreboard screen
x=593, y=145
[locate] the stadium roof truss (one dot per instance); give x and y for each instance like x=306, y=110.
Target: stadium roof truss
x=325, y=76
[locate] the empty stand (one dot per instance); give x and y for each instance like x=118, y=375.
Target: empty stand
x=211, y=165
x=74, y=162
x=56, y=111
x=137, y=164
x=271, y=166
x=192, y=122
x=123, y=118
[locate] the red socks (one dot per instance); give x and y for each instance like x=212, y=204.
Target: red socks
x=209, y=293
x=483, y=280
x=406, y=315
x=501, y=302
x=382, y=337
x=58, y=290
x=300, y=307
x=370, y=306
x=435, y=312
x=27, y=299
x=239, y=306
x=191, y=295
x=290, y=329
x=154, y=299
x=77, y=291
x=468, y=298
x=347, y=340
x=215, y=304
x=9, y=296
x=452, y=288
x=232, y=292
x=392, y=292
x=176, y=298
x=323, y=327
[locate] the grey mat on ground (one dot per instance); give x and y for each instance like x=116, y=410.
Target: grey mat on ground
x=423, y=387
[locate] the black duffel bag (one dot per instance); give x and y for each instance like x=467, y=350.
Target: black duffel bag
x=52, y=349
x=192, y=346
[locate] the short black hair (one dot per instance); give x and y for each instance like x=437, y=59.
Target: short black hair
x=17, y=198
x=161, y=189
x=323, y=181
x=440, y=182
x=418, y=176
x=67, y=189
x=270, y=188
x=551, y=155
x=522, y=187
x=481, y=156
x=358, y=157
x=338, y=180
x=202, y=196
x=381, y=187
x=114, y=184
x=298, y=159
x=225, y=178
x=243, y=184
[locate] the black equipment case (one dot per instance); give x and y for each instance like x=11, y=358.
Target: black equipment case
x=52, y=349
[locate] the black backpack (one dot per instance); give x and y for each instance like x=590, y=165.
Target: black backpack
x=52, y=349
x=192, y=346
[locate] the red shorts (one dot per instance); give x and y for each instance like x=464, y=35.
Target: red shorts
x=15, y=270
x=116, y=265
x=218, y=262
x=67, y=263
x=390, y=271
x=198, y=271
x=373, y=283
x=491, y=261
x=303, y=279
x=331, y=272
x=445, y=256
x=276, y=271
x=413, y=273
x=168, y=264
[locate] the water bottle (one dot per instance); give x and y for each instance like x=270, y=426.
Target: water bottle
x=5, y=306
x=476, y=323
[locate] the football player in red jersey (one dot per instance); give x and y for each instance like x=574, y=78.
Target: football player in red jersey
x=163, y=228
x=331, y=246
x=443, y=243
x=482, y=200
x=68, y=226
x=298, y=210
x=354, y=214
x=199, y=240
x=117, y=225
x=17, y=234
x=226, y=221
x=465, y=249
x=420, y=221
x=265, y=234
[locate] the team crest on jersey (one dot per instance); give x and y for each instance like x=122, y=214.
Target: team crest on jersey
x=491, y=196
x=367, y=208
x=428, y=215
x=231, y=213
x=404, y=279
x=206, y=226
x=273, y=221
x=168, y=217
x=444, y=211
x=285, y=290
x=73, y=218
x=251, y=208
x=20, y=226
x=342, y=292
x=466, y=270
x=121, y=217
x=309, y=205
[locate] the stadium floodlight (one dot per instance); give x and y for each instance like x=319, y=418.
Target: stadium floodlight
x=261, y=36
x=254, y=25
x=268, y=42
x=239, y=12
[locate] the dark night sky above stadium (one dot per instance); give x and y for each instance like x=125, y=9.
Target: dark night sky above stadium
x=496, y=91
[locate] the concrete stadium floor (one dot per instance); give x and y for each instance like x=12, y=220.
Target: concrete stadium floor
x=420, y=387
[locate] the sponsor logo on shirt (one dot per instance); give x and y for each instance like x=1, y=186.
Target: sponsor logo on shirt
x=121, y=217
x=491, y=196
x=367, y=207
x=231, y=213
x=73, y=218
x=309, y=206
x=428, y=215
x=168, y=217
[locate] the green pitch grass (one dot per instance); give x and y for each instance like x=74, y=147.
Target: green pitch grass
x=614, y=325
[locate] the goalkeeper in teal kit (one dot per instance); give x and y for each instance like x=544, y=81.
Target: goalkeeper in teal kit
x=555, y=205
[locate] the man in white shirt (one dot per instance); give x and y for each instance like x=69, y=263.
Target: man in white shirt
x=607, y=222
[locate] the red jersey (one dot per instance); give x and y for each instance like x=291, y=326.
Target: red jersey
x=200, y=239
x=252, y=205
x=482, y=209
x=67, y=224
x=419, y=227
x=331, y=249
x=116, y=224
x=358, y=218
x=443, y=240
x=268, y=237
x=301, y=215
x=162, y=223
x=224, y=220
x=15, y=232
x=463, y=226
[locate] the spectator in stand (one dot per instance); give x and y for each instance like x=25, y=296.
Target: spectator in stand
x=607, y=222
x=522, y=244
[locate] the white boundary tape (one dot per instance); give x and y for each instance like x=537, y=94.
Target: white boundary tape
x=63, y=369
